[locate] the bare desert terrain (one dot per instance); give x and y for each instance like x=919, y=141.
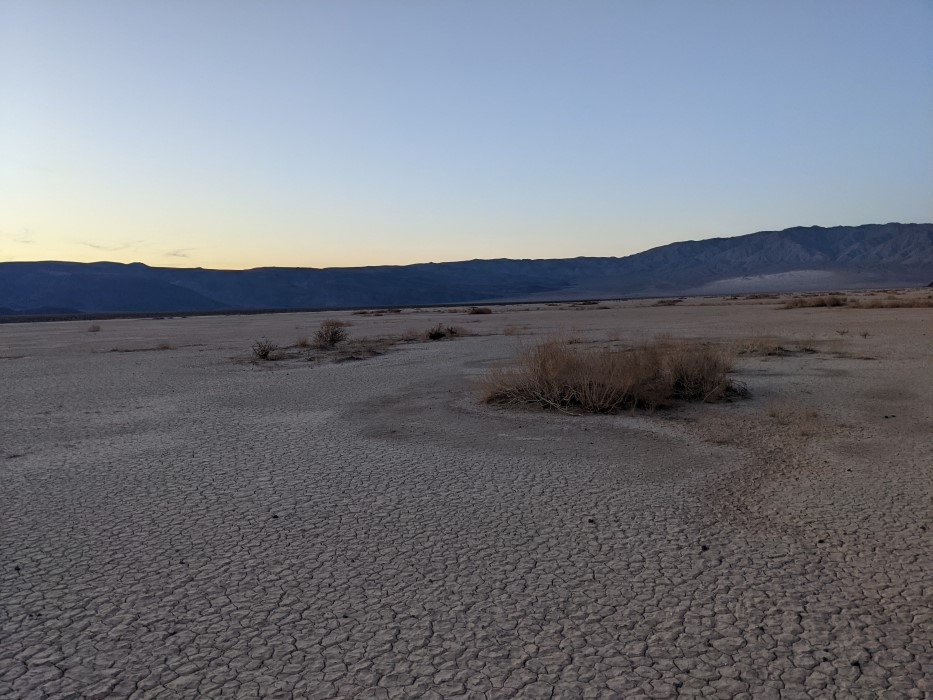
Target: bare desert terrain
x=178, y=519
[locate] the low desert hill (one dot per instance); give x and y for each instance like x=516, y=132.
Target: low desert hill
x=801, y=258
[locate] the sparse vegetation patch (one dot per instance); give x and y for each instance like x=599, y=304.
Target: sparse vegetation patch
x=866, y=302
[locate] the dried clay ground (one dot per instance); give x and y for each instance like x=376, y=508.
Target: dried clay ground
x=178, y=520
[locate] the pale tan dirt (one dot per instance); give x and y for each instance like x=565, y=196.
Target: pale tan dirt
x=185, y=523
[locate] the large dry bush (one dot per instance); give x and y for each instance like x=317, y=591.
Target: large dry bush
x=554, y=374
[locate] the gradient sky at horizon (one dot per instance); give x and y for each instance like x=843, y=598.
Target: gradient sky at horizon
x=234, y=134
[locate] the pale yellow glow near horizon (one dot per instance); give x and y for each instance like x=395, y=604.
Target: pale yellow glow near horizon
x=30, y=244
x=223, y=234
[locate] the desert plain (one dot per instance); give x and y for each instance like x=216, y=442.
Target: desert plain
x=179, y=519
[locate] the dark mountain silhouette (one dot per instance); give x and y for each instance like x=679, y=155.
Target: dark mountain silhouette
x=794, y=259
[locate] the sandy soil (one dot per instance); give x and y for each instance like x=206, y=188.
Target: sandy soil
x=185, y=523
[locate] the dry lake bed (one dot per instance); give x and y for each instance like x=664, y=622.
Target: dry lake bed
x=180, y=520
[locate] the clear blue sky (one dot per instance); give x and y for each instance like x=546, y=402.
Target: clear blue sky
x=239, y=134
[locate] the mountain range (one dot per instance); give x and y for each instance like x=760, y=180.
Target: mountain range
x=800, y=258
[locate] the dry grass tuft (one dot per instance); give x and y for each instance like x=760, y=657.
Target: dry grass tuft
x=303, y=342
x=93, y=328
x=331, y=332
x=667, y=302
x=165, y=346
x=552, y=374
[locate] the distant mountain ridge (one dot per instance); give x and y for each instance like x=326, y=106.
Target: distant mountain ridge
x=797, y=258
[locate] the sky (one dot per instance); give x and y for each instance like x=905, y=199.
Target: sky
x=235, y=134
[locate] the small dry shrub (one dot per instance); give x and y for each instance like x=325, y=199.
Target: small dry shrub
x=552, y=374
x=479, y=310
x=512, y=330
x=667, y=302
x=264, y=349
x=436, y=332
x=303, y=342
x=94, y=328
x=165, y=346
x=331, y=332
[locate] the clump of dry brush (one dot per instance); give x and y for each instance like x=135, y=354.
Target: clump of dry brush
x=264, y=349
x=572, y=378
x=330, y=333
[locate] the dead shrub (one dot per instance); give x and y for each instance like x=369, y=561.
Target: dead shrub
x=94, y=328
x=552, y=374
x=479, y=310
x=264, y=349
x=667, y=302
x=331, y=332
x=165, y=346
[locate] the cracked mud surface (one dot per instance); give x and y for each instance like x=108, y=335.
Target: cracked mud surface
x=175, y=524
